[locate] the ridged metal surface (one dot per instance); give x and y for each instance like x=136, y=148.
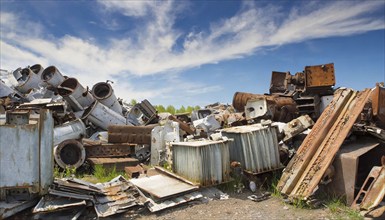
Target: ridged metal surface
x=316, y=153
x=203, y=162
x=255, y=147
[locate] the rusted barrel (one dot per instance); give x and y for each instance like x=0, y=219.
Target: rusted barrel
x=240, y=100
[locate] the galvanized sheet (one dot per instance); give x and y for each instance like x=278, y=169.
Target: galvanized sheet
x=255, y=147
x=203, y=162
x=26, y=153
x=162, y=186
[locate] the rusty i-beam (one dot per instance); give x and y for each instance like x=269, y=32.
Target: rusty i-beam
x=305, y=170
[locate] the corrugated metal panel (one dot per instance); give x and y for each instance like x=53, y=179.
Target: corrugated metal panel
x=203, y=162
x=255, y=147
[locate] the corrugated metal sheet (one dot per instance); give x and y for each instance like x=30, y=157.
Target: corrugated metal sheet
x=255, y=147
x=203, y=162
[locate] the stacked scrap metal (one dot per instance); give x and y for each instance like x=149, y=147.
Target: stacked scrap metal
x=113, y=197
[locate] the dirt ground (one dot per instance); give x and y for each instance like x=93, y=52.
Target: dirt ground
x=237, y=206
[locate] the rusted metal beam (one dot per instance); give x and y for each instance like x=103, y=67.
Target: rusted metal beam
x=100, y=150
x=330, y=145
x=378, y=104
x=130, y=134
x=373, y=191
x=317, y=153
x=303, y=155
x=184, y=126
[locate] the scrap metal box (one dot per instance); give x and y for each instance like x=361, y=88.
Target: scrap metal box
x=26, y=159
x=255, y=147
x=204, y=162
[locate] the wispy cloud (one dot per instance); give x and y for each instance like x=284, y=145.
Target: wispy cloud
x=158, y=47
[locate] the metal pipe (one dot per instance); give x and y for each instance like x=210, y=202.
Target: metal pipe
x=70, y=130
x=75, y=94
x=104, y=93
x=70, y=153
x=102, y=116
x=52, y=76
x=28, y=80
x=37, y=69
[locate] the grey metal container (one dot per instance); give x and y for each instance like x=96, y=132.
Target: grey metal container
x=104, y=93
x=102, y=116
x=255, y=147
x=71, y=130
x=75, y=94
x=203, y=162
x=52, y=76
x=29, y=80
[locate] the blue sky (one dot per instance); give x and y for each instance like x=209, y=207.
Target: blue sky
x=194, y=52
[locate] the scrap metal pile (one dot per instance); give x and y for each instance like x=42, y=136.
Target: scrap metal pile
x=322, y=138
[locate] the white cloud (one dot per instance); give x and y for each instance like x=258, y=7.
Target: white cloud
x=150, y=48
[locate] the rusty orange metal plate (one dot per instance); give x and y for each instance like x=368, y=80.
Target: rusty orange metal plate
x=320, y=75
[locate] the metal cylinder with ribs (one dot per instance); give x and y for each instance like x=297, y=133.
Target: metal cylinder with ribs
x=70, y=154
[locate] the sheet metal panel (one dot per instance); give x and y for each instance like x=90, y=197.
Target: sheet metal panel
x=203, y=162
x=26, y=154
x=162, y=186
x=19, y=147
x=255, y=147
x=46, y=150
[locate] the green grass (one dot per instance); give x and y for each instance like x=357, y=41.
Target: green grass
x=60, y=173
x=104, y=175
x=273, y=186
x=339, y=210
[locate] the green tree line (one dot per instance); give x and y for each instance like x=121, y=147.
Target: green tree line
x=171, y=109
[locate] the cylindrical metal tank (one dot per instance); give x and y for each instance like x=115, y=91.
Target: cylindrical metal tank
x=70, y=153
x=104, y=93
x=69, y=130
x=29, y=80
x=52, y=76
x=75, y=94
x=102, y=116
x=37, y=69
x=240, y=99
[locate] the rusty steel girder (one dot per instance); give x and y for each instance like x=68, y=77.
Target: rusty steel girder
x=130, y=134
x=100, y=150
x=378, y=104
x=315, y=155
x=372, y=192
